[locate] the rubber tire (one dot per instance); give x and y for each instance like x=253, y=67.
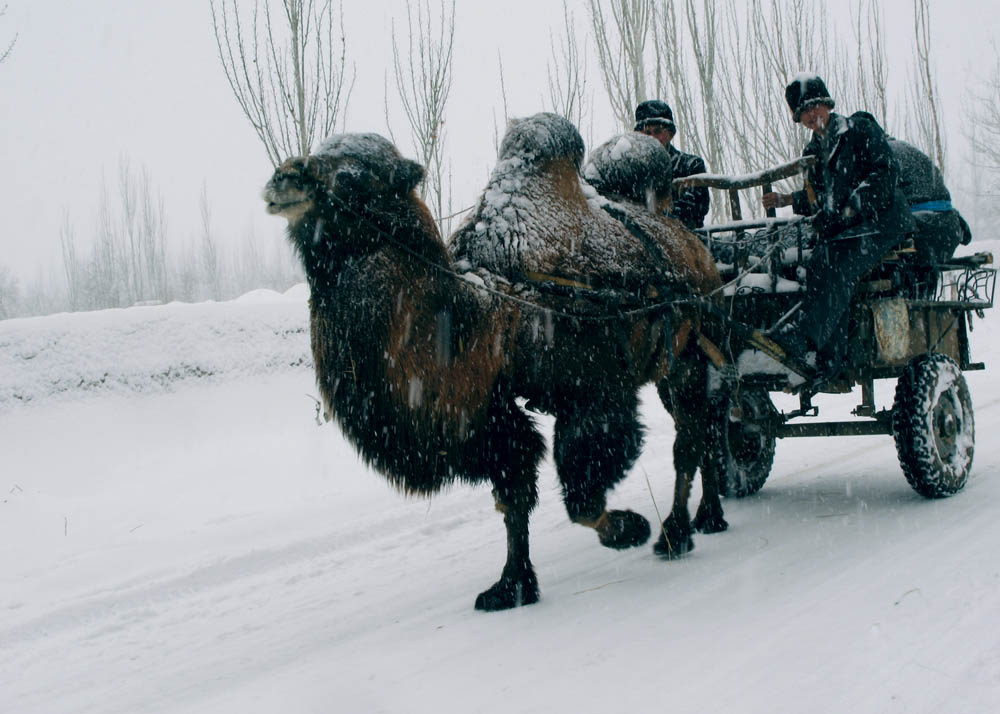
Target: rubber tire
x=746, y=447
x=933, y=425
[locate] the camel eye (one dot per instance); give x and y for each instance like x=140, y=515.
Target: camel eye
x=289, y=178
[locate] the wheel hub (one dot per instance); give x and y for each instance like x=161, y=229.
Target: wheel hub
x=947, y=425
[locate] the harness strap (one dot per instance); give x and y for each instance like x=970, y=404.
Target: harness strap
x=565, y=282
x=653, y=249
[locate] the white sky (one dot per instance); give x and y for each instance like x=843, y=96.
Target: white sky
x=89, y=82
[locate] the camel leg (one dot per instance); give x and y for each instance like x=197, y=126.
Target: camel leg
x=675, y=534
x=685, y=394
x=595, y=444
x=510, y=452
x=518, y=584
x=710, y=517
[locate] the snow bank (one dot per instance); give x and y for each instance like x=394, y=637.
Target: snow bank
x=142, y=349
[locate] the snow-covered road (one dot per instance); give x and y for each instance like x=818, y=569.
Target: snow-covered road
x=211, y=549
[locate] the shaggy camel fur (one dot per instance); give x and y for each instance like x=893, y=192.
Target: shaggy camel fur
x=421, y=368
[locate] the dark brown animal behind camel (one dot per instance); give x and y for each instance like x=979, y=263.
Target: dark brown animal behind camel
x=421, y=369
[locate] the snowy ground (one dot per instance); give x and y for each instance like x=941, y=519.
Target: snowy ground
x=178, y=535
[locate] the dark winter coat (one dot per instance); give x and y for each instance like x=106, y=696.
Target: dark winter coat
x=853, y=182
x=690, y=204
x=919, y=179
x=859, y=215
x=940, y=228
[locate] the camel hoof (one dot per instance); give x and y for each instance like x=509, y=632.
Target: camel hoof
x=709, y=521
x=624, y=529
x=674, y=542
x=507, y=593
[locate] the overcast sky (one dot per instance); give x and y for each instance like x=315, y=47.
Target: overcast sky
x=92, y=81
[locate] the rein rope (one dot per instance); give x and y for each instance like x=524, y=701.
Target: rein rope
x=606, y=296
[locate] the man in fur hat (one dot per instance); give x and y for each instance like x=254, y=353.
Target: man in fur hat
x=857, y=210
x=655, y=118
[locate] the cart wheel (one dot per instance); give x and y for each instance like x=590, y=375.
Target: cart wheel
x=746, y=442
x=933, y=425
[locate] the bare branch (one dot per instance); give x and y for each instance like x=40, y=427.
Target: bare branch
x=924, y=112
x=288, y=73
x=7, y=50
x=423, y=80
x=567, y=73
x=621, y=52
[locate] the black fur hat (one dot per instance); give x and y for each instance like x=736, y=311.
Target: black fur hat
x=805, y=91
x=654, y=111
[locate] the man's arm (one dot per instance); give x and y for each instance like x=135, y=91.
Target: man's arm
x=804, y=200
x=691, y=204
x=876, y=187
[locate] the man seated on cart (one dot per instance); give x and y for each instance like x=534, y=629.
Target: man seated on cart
x=940, y=228
x=857, y=210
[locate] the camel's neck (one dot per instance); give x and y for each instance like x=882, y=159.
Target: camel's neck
x=330, y=241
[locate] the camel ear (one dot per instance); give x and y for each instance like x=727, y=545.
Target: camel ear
x=406, y=175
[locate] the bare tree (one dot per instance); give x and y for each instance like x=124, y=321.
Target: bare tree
x=923, y=113
x=621, y=51
x=72, y=266
x=690, y=62
x=208, y=249
x=981, y=127
x=7, y=50
x=288, y=74
x=869, y=88
x=127, y=262
x=10, y=293
x=139, y=239
x=423, y=80
x=497, y=132
x=985, y=119
x=567, y=73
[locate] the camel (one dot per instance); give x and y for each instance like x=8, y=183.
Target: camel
x=422, y=367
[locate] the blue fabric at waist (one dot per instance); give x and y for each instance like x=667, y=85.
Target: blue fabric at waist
x=938, y=206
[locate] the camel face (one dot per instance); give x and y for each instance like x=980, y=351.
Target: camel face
x=291, y=192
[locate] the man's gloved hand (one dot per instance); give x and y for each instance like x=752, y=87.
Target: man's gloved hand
x=683, y=206
x=686, y=208
x=827, y=224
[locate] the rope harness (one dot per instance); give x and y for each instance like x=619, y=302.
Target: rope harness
x=572, y=288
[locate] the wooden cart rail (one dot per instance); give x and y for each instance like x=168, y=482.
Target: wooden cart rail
x=733, y=184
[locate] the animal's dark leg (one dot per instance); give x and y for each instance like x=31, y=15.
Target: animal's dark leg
x=595, y=444
x=685, y=395
x=518, y=584
x=675, y=534
x=510, y=453
x=709, y=518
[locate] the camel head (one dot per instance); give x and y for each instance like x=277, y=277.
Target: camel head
x=348, y=170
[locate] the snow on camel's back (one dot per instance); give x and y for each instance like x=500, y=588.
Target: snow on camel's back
x=421, y=366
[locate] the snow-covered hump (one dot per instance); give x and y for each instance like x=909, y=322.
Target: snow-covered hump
x=532, y=140
x=537, y=215
x=630, y=166
x=507, y=229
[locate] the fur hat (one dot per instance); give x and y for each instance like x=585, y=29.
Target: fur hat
x=654, y=111
x=806, y=91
